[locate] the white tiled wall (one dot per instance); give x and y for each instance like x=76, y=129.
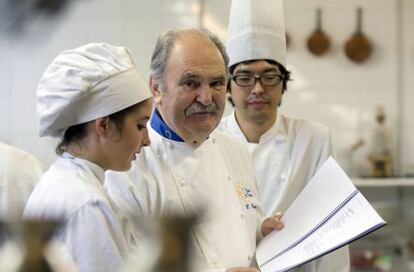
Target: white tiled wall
x=328, y=89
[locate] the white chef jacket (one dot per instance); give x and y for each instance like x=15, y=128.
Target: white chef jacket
x=20, y=171
x=285, y=159
x=94, y=232
x=171, y=177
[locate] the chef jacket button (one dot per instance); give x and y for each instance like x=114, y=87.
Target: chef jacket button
x=183, y=182
x=213, y=140
x=228, y=178
x=215, y=262
x=241, y=215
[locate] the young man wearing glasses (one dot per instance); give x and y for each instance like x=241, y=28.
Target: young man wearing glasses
x=286, y=151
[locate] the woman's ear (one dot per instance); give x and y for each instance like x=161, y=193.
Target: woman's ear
x=102, y=126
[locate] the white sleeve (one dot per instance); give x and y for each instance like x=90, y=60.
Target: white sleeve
x=94, y=238
x=124, y=192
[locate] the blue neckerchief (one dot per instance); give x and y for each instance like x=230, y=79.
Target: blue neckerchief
x=159, y=126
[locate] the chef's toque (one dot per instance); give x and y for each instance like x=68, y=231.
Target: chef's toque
x=86, y=83
x=256, y=31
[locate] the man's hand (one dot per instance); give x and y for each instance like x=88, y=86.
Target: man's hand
x=272, y=223
x=243, y=269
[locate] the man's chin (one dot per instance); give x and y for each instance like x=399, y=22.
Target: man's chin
x=257, y=116
x=201, y=132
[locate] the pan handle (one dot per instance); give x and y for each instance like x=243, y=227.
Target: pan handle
x=359, y=20
x=318, y=19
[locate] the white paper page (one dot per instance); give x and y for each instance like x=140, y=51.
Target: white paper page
x=328, y=213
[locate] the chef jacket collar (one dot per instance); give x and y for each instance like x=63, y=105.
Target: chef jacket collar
x=98, y=171
x=162, y=129
x=277, y=131
x=235, y=128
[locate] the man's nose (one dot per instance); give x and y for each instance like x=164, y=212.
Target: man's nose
x=204, y=95
x=257, y=87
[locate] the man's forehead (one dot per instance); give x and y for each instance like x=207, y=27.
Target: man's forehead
x=190, y=42
x=196, y=60
x=256, y=65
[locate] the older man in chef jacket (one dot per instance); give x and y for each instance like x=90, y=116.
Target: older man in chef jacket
x=189, y=166
x=286, y=151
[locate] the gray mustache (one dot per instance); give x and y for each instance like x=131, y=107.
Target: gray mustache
x=199, y=108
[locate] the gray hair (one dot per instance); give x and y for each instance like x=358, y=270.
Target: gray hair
x=166, y=41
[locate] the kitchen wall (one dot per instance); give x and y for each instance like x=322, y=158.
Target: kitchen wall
x=343, y=95
x=407, y=97
x=328, y=89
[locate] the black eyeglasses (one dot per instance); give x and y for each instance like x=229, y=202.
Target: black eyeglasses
x=250, y=80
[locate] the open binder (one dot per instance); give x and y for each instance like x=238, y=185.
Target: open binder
x=328, y=214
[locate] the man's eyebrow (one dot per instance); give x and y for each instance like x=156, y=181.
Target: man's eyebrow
x=219, y=77
x=190, y=75
x=246, y=71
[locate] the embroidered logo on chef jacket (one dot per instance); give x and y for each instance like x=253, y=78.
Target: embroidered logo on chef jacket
x=246, y=195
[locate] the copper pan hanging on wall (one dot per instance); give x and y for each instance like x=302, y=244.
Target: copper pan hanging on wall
x=318, y=42
x=358, y=48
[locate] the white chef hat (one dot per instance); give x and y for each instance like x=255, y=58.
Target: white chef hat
x=256, y=31
x=85, y=83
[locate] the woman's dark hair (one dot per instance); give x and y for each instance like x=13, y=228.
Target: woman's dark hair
x=77, y=132
x=285, y=73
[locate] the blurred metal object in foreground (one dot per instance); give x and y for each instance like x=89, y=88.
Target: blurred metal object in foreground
x=26, y=246
x=15, y=15
x=176, y=241
x=166, y=245
x=35, y=235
